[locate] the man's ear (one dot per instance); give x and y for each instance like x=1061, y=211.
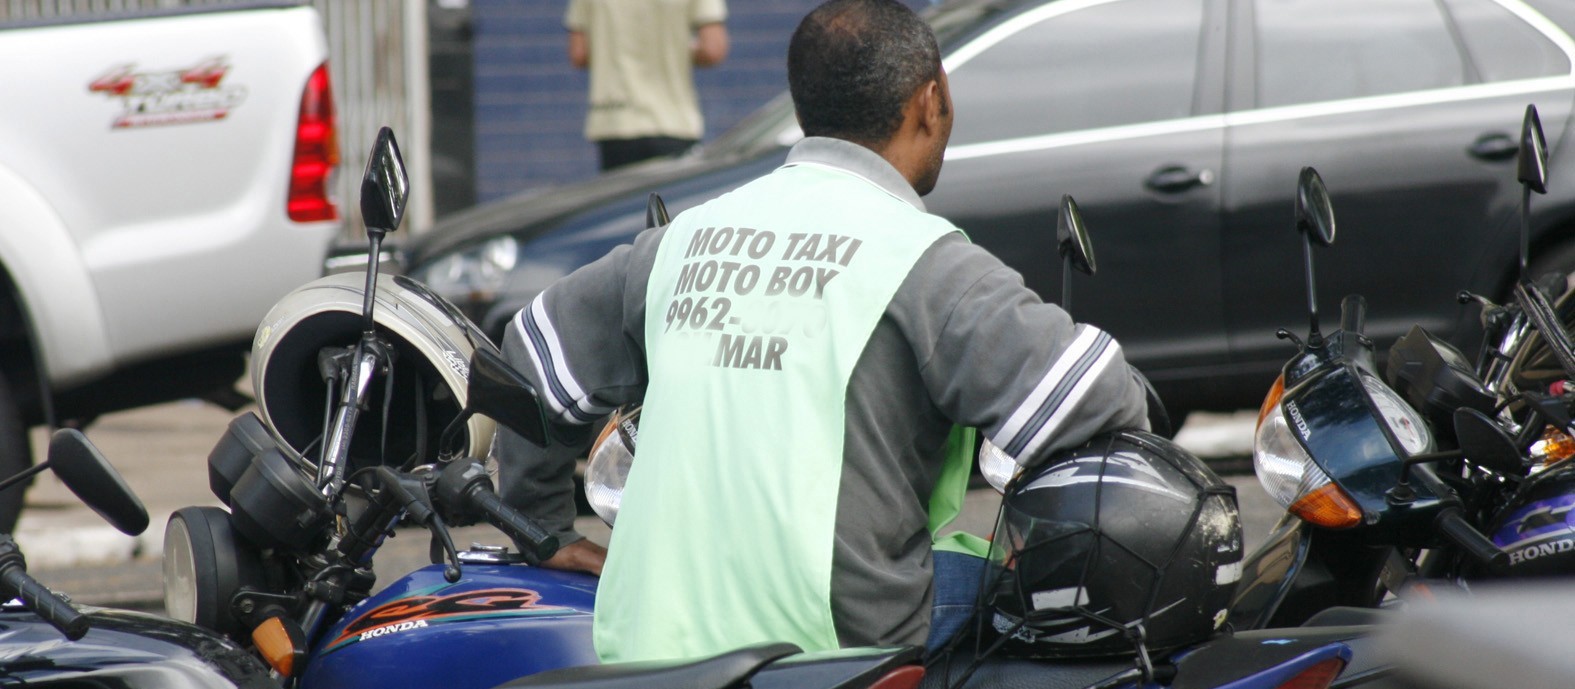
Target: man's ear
x=931, y=106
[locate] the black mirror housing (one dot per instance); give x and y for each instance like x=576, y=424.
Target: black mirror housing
x=1071, y=236
x=1532, y=164
x=384, y=187
x=1314, y=211
x=500, y=392
x=91, y=477
x=656, y=212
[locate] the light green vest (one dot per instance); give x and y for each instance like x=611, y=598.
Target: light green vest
x=758, y=306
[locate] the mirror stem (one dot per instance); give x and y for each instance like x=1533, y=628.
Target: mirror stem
x=375, y=237
x=1525, y=227
x=1066, y=283
x=24, y=475
x=1314, y=338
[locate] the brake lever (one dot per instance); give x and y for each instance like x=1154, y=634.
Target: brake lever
x=414, y=498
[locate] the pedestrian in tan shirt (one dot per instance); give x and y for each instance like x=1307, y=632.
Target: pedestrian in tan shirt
x=641, y=55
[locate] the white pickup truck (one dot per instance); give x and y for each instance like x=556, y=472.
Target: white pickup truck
x=164, y=178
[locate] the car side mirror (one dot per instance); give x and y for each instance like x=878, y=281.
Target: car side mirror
x=384, y=187
x=91, y=477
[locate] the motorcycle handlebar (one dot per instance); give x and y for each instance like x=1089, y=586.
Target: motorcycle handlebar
x=1460, y=531
x=42, y=601
x=464, y=485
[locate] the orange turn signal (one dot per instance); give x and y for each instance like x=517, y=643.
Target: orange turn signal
x=1329, y=507
x=1276, y=391
x=281, y=643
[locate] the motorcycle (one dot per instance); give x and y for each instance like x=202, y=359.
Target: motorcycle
x=1430, y=479
x=286, y=567
x=104, y=647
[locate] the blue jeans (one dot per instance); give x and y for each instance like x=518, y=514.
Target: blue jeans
x=957, y=580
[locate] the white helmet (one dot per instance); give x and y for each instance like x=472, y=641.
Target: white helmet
x=432, y=348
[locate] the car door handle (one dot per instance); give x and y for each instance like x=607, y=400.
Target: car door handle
x=1174, y=179
x=1494, y=146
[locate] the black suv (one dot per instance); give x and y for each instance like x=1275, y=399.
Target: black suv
x=1179, y=126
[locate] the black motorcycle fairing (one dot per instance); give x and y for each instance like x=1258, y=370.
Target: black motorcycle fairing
x=1269, y=572
x=1229, y=658
x=125, y=649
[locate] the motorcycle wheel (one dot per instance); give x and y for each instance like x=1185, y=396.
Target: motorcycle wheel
x=16, y=454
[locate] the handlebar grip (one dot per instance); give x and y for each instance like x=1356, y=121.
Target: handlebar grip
x=524, y=530
x=464, y=484
x=55, y=610
x=1462, y=533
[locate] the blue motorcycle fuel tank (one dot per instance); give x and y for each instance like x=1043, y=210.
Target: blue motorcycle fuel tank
x=497, y=623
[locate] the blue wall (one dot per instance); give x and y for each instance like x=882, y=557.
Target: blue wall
x=530, y=104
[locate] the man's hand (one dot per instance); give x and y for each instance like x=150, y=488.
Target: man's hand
x=579, y=556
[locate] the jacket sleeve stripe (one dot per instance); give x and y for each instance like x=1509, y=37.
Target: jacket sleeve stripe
x=565, y=397
x=1058, y=394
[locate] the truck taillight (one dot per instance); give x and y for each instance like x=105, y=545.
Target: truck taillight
x=316, y=152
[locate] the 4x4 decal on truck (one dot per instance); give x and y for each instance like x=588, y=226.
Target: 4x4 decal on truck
x=176, y=96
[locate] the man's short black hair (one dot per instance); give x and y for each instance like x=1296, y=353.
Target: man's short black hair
x=853, y=64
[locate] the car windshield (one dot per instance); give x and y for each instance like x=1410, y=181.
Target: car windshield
x=773, y=125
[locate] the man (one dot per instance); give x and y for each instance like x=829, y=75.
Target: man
x=641, y=55
x=804, y=347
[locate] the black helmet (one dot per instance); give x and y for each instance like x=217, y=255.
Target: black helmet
x=1126, y=544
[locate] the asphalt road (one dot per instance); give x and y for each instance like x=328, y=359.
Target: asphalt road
x=162, y=452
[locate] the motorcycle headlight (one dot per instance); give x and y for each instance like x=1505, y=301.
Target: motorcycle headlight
x=997, y=467
x=478, y=271
x=1290, y=476
x=607, y=469
x=205, y=564
x=1403, y=421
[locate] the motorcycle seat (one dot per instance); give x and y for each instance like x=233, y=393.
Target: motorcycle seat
x=725, y=671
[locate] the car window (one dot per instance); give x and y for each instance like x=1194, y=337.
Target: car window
x=1053, y=70
x=1502, y=46
x=1322, y=50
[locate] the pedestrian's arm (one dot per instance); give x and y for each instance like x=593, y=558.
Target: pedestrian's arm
x=710, y=46
x=579, y=49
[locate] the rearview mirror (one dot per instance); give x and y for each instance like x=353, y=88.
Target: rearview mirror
x=1314, y=212
x=384, y=187
x=91, y=477
x=1072, y=237
x=656, y=212
x=500, y=392
x=1532, y=165
x=1484, y=442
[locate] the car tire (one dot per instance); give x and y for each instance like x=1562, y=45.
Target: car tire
x=16, y=454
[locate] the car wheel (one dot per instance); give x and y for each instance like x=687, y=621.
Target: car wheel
x=16, y=454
